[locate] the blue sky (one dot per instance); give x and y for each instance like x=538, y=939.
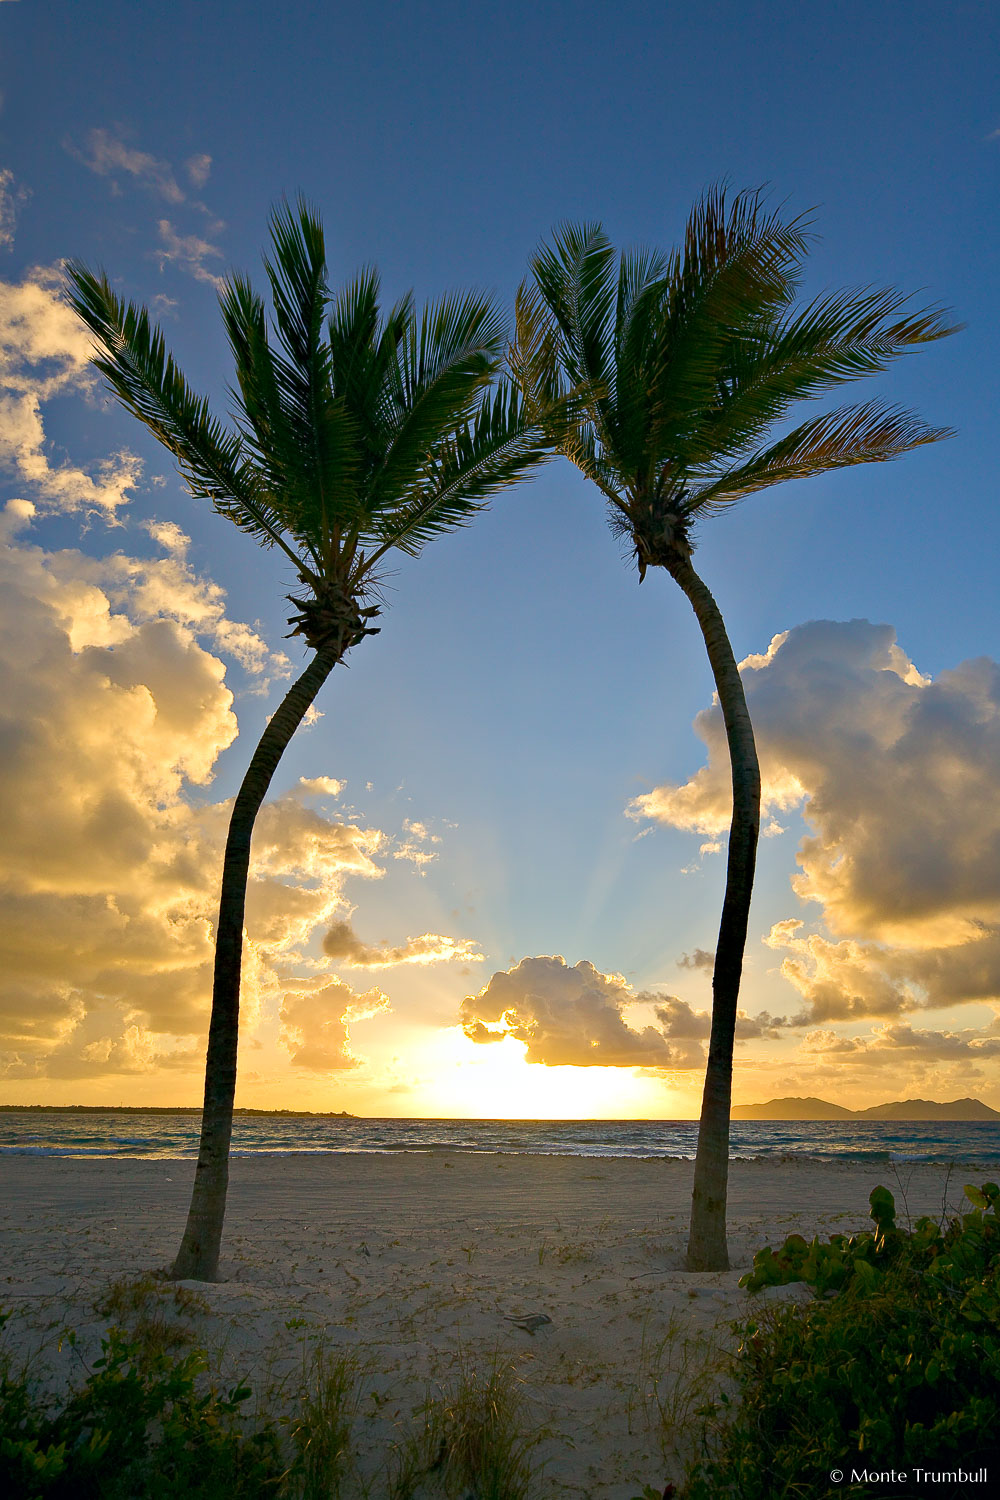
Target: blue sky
x=524, y=690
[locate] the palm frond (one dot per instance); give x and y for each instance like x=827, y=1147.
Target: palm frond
x=479, y=458
x=839, y=337
x=870, y=433
x=706, y=355
x=132, y=358
x=312, y=448
x=445, y=360
x=570, y=416
x=739, y=271
x=575, y=277
x=642, y=276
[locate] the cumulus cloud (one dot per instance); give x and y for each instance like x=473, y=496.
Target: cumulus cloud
x=573, y=1016
x=898, y=778
x=45, y=352
x=111, y=714
x=320, y=786
x=316, y=1018
x=106, y=153
x=342, y=944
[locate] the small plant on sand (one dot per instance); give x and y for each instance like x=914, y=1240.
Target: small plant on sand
x=474, y=1439
x=152, y=1312
x=897, y=1358
x=679, y=1373
x=322, y=1430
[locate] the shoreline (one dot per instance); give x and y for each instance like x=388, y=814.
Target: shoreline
x=415, y=1262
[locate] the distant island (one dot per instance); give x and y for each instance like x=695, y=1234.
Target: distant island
x=174, y=1109
x=900, y=1109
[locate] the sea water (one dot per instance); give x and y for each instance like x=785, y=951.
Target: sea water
x=129, y=1133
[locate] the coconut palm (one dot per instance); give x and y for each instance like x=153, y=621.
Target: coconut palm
x=355, y=433
x=661, y=376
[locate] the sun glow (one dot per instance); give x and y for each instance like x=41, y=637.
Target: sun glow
x=492, y=1081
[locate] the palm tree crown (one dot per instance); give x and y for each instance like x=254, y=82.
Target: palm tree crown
x=661, y=377
x=355, y=432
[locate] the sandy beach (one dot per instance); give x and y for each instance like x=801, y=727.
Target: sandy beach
x=416, y=1263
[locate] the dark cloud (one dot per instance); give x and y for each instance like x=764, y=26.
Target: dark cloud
x=699, y=959
x=899, y=1044
x=343, y=946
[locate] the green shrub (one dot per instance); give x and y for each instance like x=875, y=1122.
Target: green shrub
x=894, y=1365
x=138, y=1429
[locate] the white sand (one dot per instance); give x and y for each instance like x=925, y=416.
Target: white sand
x=415, y=1262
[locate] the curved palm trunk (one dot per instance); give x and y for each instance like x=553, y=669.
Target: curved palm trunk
x=198, y=1256
x=707, y=1250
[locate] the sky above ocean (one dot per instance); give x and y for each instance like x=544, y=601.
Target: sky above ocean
x=514, y=796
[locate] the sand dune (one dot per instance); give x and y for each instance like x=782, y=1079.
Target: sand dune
x=418, y=1263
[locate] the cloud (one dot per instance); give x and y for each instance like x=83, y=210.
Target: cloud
x=188, y=252
x=11, y=198
x=896, y=1044
x=573, y=1017
x=321, y=786
x=343, y=946
x=112, y=715
x=45, y=352
x=317, y=1016
x=198, y=169
x=699, y=959
x=414, y=848
x=898, y=778
x=106, y=154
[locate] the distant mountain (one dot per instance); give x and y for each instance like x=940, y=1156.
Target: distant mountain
x=901, y=1109
x=929, y=1109
x=792, y=1109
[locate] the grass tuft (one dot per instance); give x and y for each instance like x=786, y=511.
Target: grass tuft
x=474, y=1439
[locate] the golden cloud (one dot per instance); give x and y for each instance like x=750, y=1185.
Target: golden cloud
x=898, y=777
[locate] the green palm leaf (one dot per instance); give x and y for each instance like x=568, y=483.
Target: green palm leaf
x=133, y=359
x=871, y=433
x=663, y=393
x=479, y=459
x=354, y=433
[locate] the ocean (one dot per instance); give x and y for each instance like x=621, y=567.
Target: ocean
x=175, y=1136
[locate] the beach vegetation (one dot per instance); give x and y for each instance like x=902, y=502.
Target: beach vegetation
x=473, y=1437
x=357, y=434
x=154, y=1418
x=322, y=1429
x=662, y=377
x=141, y=1427
x=153, y=1312
x=897, y=1356
x=680, y=1373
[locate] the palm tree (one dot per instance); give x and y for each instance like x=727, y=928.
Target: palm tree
x=355, y=434
x=660, y=379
